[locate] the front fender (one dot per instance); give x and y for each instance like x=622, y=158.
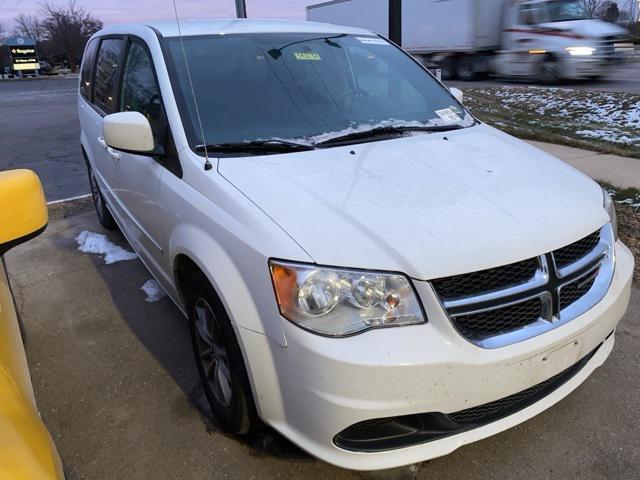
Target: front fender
x=241, y=294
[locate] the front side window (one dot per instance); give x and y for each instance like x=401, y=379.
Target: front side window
x=140, y=91
x=566, y=10
x=530, y=15
x=104, y=88
x=258, y=87
x=87, y=67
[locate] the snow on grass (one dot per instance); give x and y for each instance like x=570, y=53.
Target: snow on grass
x=609, y=136
x=91, y=242
x=607, y=121
x=623, y=196
x=153, y=291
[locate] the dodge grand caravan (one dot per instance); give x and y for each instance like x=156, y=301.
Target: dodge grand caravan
x=365, y=267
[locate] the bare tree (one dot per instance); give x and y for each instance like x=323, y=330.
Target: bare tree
x=68, y=29
x=609, y=11
x=29, y=26
x=633, y=7
x=592, y=7
x=2, y=34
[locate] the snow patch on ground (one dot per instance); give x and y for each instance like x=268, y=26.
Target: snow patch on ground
x=91, y=242
x=609, y=136
x=153, y=290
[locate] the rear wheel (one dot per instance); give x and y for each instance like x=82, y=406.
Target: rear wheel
x=466, y=68
x=219, y=359
x=104, y=215
x=448, y=68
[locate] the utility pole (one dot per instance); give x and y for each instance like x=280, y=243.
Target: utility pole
x=395, y=21
x=241, y=9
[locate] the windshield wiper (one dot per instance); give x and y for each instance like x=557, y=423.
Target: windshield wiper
x=388, y=130
x=255, y=146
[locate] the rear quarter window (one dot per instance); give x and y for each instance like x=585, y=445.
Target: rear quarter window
x=87, y=68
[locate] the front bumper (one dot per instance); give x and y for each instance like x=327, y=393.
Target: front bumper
x=588, y=66
x=317, y=387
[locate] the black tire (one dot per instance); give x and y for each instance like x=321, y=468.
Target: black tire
x=449, y=68
x=225, y=365
x=549, y=71
x=466, y=68
x=104, y=215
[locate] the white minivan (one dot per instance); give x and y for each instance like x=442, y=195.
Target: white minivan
x=366, y=267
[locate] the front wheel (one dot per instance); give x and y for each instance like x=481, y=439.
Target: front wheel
x=549, y=73
x=219, y=359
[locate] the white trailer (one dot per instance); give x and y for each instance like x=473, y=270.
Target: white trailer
x=545, y=39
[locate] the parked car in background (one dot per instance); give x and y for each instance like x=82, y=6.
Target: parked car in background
x=365, y=266
x=26, y=449
x=45, y=68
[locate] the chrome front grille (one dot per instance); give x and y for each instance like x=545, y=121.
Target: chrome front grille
x=504, y=305
x=606, y=46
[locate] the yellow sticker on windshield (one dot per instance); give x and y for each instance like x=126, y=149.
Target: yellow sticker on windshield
x=309, y=56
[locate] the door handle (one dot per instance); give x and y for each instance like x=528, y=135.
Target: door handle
x=114, y=155
x=103, y=143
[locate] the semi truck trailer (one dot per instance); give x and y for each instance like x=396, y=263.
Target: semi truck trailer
x=548, y=40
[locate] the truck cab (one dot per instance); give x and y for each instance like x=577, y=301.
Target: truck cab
x=555, y=39
x=545, y=40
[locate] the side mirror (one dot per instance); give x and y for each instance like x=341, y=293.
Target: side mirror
x=129, y=132
x=457, y=93
x=23, y=208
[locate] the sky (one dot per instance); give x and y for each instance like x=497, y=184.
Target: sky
x=122, y=11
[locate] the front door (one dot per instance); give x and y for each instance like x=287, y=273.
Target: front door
x=137, y=177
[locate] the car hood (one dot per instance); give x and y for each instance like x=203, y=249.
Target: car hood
x=428, y=205
x=587, y=28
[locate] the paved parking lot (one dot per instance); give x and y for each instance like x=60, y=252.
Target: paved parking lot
x=39, y=130
x=118, y=388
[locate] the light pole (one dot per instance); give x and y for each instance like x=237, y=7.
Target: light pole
x=395, y=21
x=241, y=9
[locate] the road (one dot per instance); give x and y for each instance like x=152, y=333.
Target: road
x=623, y=79
x=117, y=385
x=39, y=130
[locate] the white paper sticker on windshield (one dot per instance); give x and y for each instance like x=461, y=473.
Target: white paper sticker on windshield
x=448, y=115
x=372, y=41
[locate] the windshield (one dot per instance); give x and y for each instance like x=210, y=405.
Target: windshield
x=257, y=87
x=566, y=10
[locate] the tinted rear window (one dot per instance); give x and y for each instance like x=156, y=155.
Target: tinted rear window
x=104, y=89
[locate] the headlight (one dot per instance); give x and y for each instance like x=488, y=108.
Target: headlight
x=337, y=302
x=580, y=51
x=610, y=207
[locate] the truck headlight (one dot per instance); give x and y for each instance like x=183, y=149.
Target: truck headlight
x=610, y=207
x=339, y=302
x=580, y=51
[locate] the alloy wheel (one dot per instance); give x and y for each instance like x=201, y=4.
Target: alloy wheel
x=212, y=354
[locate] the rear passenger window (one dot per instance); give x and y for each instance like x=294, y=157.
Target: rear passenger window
x=105, y=81
x=87, y=68
x=140, y=91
